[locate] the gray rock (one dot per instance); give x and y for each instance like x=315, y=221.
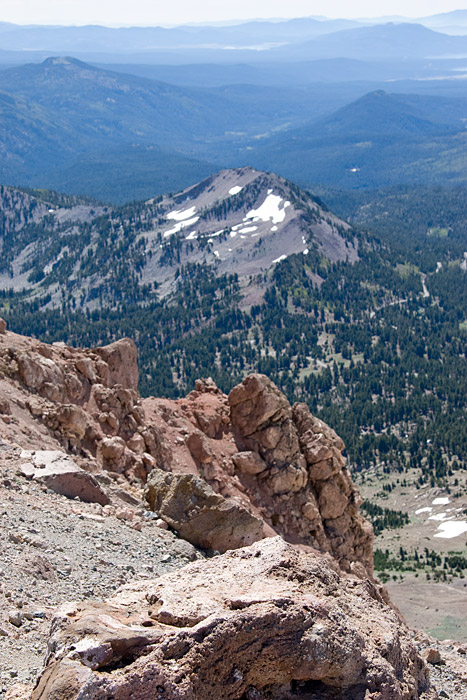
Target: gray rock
x=201, y=516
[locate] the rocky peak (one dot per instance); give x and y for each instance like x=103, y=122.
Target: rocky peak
x=305, y=489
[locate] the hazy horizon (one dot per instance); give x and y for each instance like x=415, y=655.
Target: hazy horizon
x=146, y=13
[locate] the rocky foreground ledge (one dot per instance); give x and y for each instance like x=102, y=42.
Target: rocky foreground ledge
x=260, y=622
x=284, y=606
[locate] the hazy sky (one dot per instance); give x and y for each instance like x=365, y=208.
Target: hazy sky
x=154, y=12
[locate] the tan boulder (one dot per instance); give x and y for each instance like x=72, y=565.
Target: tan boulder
x=35, y=371
x=255, y=402
x=73, y=420
x=111, y=454
x=121, y=360
x=199, y=514
x=2, y=326
x=249, y=462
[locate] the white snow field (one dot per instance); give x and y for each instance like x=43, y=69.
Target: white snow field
x=181, y=224
x=452, y=528
x=181, y=215
x=235, y=190
x=269, y=210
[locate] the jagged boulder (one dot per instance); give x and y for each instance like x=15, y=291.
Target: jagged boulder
x=304, y=489
x=201, y=516
x=260, y=622
x=121, y=360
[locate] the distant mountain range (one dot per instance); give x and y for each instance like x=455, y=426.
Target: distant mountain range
x=254, y=43
x=68, y=125
x=75, y=127
x=379, y=139
x=61, y=116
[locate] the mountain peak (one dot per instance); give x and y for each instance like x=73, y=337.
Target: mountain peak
x=64, y=61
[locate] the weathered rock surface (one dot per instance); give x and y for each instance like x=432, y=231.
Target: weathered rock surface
x=260, y=622
x=305, y=490
x=201, y=516
x=278, y=461
x=60, y=473
x=75, y=400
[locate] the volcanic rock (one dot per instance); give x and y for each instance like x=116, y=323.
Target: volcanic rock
x=305, y=490
x=260, y=622
x=201, y=516
x=121, y=360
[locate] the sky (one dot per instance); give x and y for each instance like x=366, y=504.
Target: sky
x=158, y=12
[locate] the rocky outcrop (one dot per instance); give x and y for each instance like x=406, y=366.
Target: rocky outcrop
x=86, y=402
x=296, y=471
x=201, y=516
x=270, y=461
x=260, y=622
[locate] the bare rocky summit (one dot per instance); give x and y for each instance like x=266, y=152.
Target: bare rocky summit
x=100, y=488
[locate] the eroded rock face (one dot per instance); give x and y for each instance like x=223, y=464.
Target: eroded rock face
x=273, y=461
x=201, y=516
x=121, y=360
x=305, y=489
x=83, y=399
x=260, y=622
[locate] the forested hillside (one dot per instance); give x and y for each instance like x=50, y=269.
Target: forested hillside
x=376, y=347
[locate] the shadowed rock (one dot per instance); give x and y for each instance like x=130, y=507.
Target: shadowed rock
x=201, y=516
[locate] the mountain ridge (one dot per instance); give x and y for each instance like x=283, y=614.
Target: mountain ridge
x=240, y=222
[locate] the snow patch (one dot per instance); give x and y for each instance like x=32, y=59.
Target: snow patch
x=217, y=254
x=274, y=228
x=452, y=528
x=192, y=236
x=182, y=224
x=441, y=501
x=280, y=258
x=306, y=251
x=423, y=510
x=270, y=209
x=248, y=229
x=439, y=516
x=179, y=215
x=235, y=190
